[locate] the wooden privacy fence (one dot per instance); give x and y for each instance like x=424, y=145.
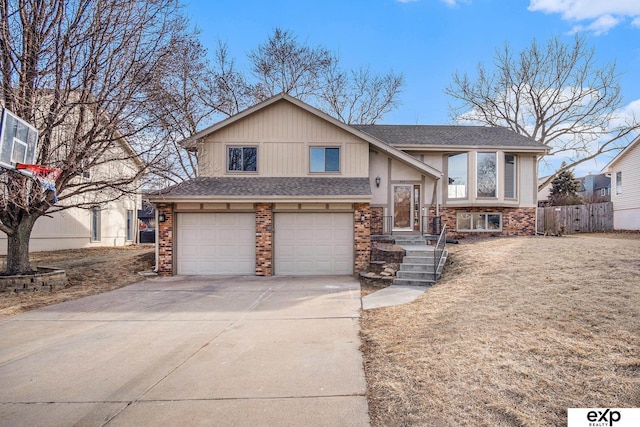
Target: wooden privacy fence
x=576, y=219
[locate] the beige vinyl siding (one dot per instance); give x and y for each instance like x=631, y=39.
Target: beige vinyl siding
x=283, y=134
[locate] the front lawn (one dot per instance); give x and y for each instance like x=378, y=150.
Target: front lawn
x=517, y=331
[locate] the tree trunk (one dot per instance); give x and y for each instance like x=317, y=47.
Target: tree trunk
x=18, y=246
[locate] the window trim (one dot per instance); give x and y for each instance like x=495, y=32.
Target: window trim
x=325, y=147
x=241, y=146
x=486, y=228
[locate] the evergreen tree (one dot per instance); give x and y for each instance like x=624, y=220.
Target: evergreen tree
x=564, y=189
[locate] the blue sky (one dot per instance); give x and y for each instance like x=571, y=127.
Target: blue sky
x=428, y=40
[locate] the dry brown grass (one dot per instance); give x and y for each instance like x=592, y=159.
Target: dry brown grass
x=517, y=331
x=89, y=271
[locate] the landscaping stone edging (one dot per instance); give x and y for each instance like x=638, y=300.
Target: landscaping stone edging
x=46, y=279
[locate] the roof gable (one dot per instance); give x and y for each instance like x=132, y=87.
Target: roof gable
x=623, y=153
x=191, y=142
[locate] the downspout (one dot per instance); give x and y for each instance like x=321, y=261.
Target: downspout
x=538, y=158
x=438, y=191
x=157, y=244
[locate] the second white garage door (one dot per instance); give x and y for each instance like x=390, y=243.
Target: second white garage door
x=216, y=243
x=313, y=243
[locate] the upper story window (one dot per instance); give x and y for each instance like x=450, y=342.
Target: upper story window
x=457, y=170
x=324, y=159
x=510, y=177
x=619, y=182
x=242, y=159
x=486, y=174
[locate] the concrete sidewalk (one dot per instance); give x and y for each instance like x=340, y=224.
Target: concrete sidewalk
x=189, y=351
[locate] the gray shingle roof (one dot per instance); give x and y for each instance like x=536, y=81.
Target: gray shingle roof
x=268, y=186
x=425, y=135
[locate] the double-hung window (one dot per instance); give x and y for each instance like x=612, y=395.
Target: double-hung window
x=618, y=182
x=324, y=159
x=242, y=159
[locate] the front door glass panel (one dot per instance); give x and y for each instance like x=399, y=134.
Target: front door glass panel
x=402, y=215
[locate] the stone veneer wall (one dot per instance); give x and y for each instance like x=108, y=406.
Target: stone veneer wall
x=515, y=221
x=264, y=239
x=362, y=235
x=165, y=239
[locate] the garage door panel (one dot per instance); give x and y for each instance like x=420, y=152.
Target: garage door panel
x=313, y=243
x=215, y=243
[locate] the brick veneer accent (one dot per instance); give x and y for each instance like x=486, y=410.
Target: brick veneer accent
x=165, y=240
x=515, y=221
x=264, y=239
x=377, y=217
x=362, y=234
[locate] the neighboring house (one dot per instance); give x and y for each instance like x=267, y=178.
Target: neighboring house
x=543, y=194
x=624, y=171
x=110, y=223
x=286, y=189
x=595, y=188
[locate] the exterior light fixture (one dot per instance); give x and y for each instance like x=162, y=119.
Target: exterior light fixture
x=378, y=181
x=162, y=218
x=362, y=217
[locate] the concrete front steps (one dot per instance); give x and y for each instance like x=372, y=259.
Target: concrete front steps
x=417, y=268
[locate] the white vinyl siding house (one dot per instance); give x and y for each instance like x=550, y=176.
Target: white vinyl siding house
x=624, y=171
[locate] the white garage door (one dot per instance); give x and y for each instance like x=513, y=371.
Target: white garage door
x=313, y=243
x=216, y=243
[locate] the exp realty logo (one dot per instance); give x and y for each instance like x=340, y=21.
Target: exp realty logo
x=603, y=417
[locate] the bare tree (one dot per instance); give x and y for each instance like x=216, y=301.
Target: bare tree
x=555, y=93
x=358, y=96
x=80, y=71
x=176, y=110
x=283, y=64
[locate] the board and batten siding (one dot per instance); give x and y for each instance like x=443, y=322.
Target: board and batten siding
x=283, y=134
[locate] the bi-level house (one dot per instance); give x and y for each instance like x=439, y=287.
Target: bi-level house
x=285, y=189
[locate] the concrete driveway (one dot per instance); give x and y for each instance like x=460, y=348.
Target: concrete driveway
x=189, y=351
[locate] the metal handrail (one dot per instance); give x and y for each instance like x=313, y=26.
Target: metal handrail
x=438, y=251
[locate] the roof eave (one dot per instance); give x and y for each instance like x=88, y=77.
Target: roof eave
x=261, y=199
x=440, y=148
x=608, y=166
